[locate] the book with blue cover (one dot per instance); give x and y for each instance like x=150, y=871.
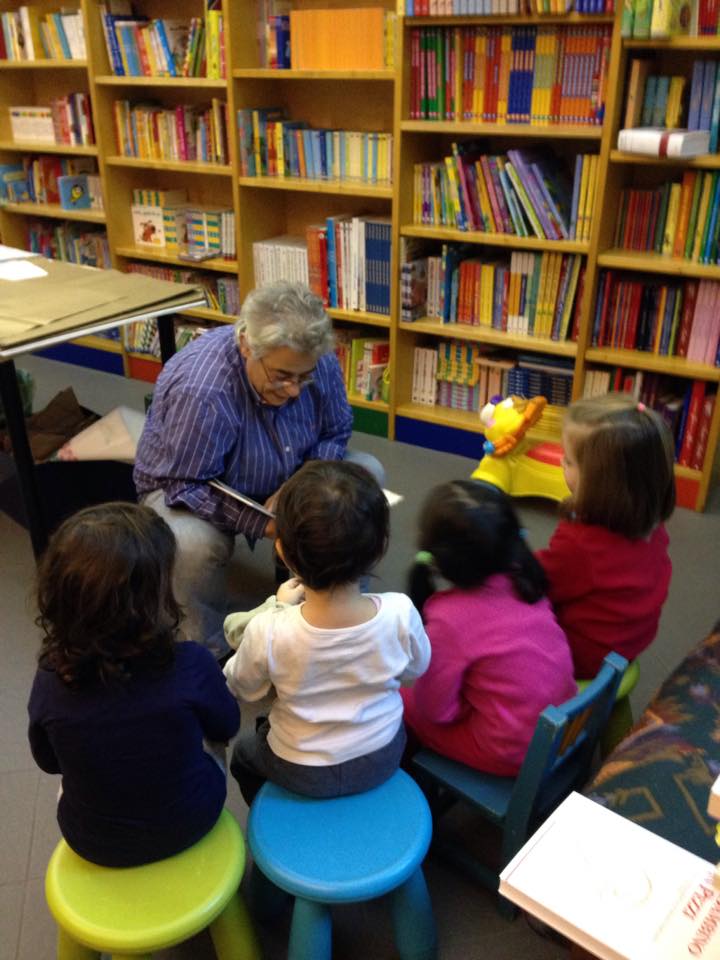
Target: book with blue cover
x=74, y=192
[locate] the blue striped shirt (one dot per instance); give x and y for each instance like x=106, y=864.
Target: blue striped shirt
x=207, y=421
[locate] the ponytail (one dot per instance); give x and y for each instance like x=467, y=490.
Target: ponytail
x=527, y=573
x=471, y=531
x=420, y=584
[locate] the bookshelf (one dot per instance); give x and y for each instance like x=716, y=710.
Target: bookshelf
x=622, y=171
x=372, y=100
x=426, y=141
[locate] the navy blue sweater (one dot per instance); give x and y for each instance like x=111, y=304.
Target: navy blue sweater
x=137, y=784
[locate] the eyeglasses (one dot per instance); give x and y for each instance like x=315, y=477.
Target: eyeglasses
x=292, y=380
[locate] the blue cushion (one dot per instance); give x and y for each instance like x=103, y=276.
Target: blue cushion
x=340, y=850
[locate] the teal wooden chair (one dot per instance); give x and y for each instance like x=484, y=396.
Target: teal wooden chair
x=620, y=720
x=557, y=762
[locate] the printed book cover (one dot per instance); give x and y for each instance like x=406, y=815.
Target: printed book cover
x=74, y=192
x=148, y=225
x=616, y=889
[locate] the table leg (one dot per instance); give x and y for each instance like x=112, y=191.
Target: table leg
x=24, y=463
x=166, y=334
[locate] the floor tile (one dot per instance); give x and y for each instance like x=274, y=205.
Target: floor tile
x=38, y=931
x=11, y=903
x=46, y=833
x=17, y=802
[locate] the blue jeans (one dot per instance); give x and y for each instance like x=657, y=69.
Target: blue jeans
x=253, y=762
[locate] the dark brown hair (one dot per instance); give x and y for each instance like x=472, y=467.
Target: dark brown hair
x=107, y=608
x=624, y=451
x=332, y=522
x=472, y=531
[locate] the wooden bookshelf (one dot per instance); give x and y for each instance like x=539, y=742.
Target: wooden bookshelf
x=620, y=171
x=35, y=147
x=366, y=100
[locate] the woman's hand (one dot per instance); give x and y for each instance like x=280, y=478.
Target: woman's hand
x=292, y=591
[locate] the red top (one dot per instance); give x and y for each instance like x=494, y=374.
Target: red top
x=607, y=590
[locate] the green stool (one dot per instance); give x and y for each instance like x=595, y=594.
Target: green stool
x=133, y=911
x=621, y=718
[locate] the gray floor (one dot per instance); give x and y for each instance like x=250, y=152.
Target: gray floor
x=469, y=927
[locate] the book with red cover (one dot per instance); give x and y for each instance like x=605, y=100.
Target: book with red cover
x=703, y=432
x=686, y=322
x=635, y=302
x=608, y=309
x=692, y=422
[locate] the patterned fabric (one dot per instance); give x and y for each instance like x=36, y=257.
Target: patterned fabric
x=661, y=774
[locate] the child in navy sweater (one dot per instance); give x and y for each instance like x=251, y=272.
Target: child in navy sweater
x=118, y=707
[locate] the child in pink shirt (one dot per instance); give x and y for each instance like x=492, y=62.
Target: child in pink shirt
x=498, y=655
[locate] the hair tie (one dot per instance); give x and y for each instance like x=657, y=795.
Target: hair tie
x=424, y=557
x=641, y=407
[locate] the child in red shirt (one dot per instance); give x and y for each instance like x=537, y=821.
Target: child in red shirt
x=607, y=562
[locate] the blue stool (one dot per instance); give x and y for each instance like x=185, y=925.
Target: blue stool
x=345, y=850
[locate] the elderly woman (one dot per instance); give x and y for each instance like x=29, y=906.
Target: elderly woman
x=247, y=405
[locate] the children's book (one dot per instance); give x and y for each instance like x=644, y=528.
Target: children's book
x=148, y=225
x=74, y=192
x=241, y=497
x=613, y=887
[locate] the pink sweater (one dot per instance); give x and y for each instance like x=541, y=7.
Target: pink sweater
x=497, y=662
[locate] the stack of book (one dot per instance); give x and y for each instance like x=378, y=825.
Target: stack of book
x=364, y=361
x=535, y=375
x=137, y=46
x=657, y=120
x=281, y=258
x=345, y=261
x=67, y=119
x=676, y=219
x=143, y=337
x=357, y=253
x=72, y=182
x=530, y=75
x=460, y=375
x=424, y=382
x=273, y=146
x=69, y=241
x=687, y=408
x=167, y=219
x=530, y=294
x=29, y=33
x=525, y=192
x=457, y=372
x=513, y=8
x=666, y=318
x=660, y=19
x=184, y=132
x=222, y=293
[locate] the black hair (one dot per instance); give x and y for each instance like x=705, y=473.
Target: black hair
x=332, y=522
x=472, y=531
x=107, y=607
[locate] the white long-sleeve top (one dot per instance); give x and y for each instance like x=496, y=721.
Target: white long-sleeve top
x=337, y=690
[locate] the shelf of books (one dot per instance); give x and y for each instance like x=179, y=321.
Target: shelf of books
x=526, y=202
x=498, y=177
x=654, y=329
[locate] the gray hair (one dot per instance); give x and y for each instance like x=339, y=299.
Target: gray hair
x=285, y=315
